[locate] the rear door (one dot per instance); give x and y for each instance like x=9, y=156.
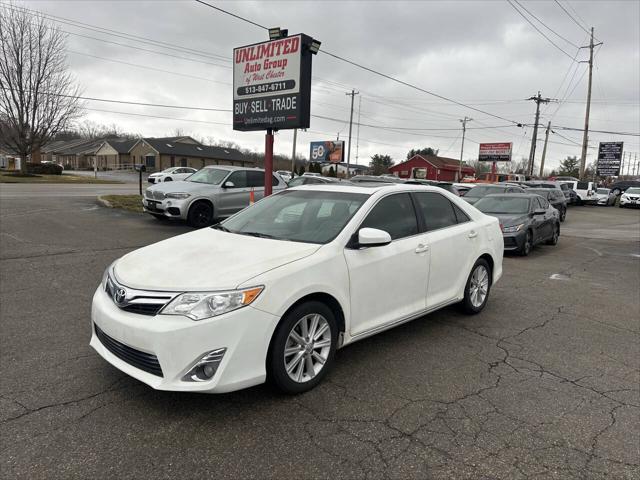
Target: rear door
x=452, y=239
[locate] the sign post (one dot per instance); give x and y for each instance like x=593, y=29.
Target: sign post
x=609, y=159
x=272, y=88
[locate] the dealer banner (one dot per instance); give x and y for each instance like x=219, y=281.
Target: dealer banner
x=272, y=84
x=495, y=152
x=329, y=151
x=609, y=159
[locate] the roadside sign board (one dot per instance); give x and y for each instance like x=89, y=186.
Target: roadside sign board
x=272, y=84
x=329, y=151
x=495, y=152
x=609, y=159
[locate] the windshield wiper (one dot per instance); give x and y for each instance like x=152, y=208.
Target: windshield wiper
x=256, y=234
x=219, y=226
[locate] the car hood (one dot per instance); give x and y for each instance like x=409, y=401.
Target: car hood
x=206, y=259
x=182, y=186
x=509, y=219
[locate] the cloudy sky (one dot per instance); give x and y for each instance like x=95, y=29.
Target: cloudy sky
x=480, y=53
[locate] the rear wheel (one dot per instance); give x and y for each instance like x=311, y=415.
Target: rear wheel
x=556, y=234
x=303, y=348
x=476, y=291
x=527, y=245
x=200, y=215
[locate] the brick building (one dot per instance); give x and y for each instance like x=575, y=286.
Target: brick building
x=431, y=167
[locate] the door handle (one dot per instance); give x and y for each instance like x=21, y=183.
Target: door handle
x=421, y=248
x=473, y=234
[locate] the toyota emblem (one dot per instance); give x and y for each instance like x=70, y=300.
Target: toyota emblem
x=120, y=296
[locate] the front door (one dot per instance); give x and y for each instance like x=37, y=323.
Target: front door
x=388, y=283
x=233, y=199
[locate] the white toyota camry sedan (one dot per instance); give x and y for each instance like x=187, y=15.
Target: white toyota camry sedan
x=273, y=291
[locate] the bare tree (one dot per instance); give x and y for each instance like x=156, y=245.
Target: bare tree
x=38, y=95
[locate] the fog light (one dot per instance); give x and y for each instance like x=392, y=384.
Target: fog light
x=206, y=367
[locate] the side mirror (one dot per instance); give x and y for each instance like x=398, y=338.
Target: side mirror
x=228, y=185
x=539, y=211
x=372, y=237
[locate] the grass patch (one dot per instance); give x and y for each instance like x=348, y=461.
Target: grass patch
x=67, y=179
x=131, y=203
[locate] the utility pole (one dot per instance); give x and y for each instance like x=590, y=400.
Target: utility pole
x=585, y=136
x=532, y=153
x=544, y=149
x=358, y=130
x=293, y=154
x=352, y=94
x=464, y=130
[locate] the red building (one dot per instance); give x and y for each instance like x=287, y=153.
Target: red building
x=431, y=168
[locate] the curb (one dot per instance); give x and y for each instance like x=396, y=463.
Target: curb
x=104, y=202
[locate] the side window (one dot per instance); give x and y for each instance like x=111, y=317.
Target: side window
x=460, y=215
x=274, y=181
x=238, y=178
x=393, y=214
x=544, y=203
x=437, y=210
x=255, y=179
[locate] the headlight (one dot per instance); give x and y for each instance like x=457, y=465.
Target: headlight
x=201, y=305
x=513, y=228
x=178, y=195
x=624, y=197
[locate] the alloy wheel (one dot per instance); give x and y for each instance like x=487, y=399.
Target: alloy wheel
x=307, y=348
x=479, y=286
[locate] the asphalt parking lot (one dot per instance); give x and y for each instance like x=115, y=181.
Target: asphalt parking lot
x=543, y=384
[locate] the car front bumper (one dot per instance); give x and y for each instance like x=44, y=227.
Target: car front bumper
x=627, y=202
x=171, y=208
x=514, y=241
x=179, y=342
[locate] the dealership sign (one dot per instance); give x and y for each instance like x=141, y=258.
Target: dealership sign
x=609, y=159
x=272, y=84
x=495, y=152
x=330, y=151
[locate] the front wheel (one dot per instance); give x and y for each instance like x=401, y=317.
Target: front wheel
x=168, y=179
x=200, y=215
x=476, y=291
x=527, y=245
x=303, y=348
x=563, y=214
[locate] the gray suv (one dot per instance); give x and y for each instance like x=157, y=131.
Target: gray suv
x=213, y=192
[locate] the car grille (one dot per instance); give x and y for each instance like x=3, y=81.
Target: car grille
x=510, y=242
x=144, y=361
x=151, y=180
x=138, y=301
x=633, y=198
x=154, y=194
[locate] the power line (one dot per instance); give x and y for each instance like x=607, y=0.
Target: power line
x=371, y=70
x=572, y=17
x=159, y=116
x=546, y=26
x=538, y=30
x=147, y=67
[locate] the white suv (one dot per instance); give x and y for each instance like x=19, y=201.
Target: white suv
x=630, y=197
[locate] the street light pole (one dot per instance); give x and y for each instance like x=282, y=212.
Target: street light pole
x=352, y=94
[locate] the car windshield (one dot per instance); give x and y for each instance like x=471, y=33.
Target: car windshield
x=603, y=191
x=167, y=170
x=477, y=192
x=503, y=205
x=309, y=216
x=212, y=176
x=633, y=191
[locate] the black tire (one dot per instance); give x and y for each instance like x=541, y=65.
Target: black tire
x=527, y=246
x=468, y=305
x=168, y=179
x=563, y=214
x=157, y=216
x=579, y=201
x=556, y=234
x=276, y=366
x=200, y=214
x=620, y=205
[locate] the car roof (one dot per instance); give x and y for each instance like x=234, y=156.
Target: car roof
x=367, y=188
x=514, y=195
x=234, y=167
